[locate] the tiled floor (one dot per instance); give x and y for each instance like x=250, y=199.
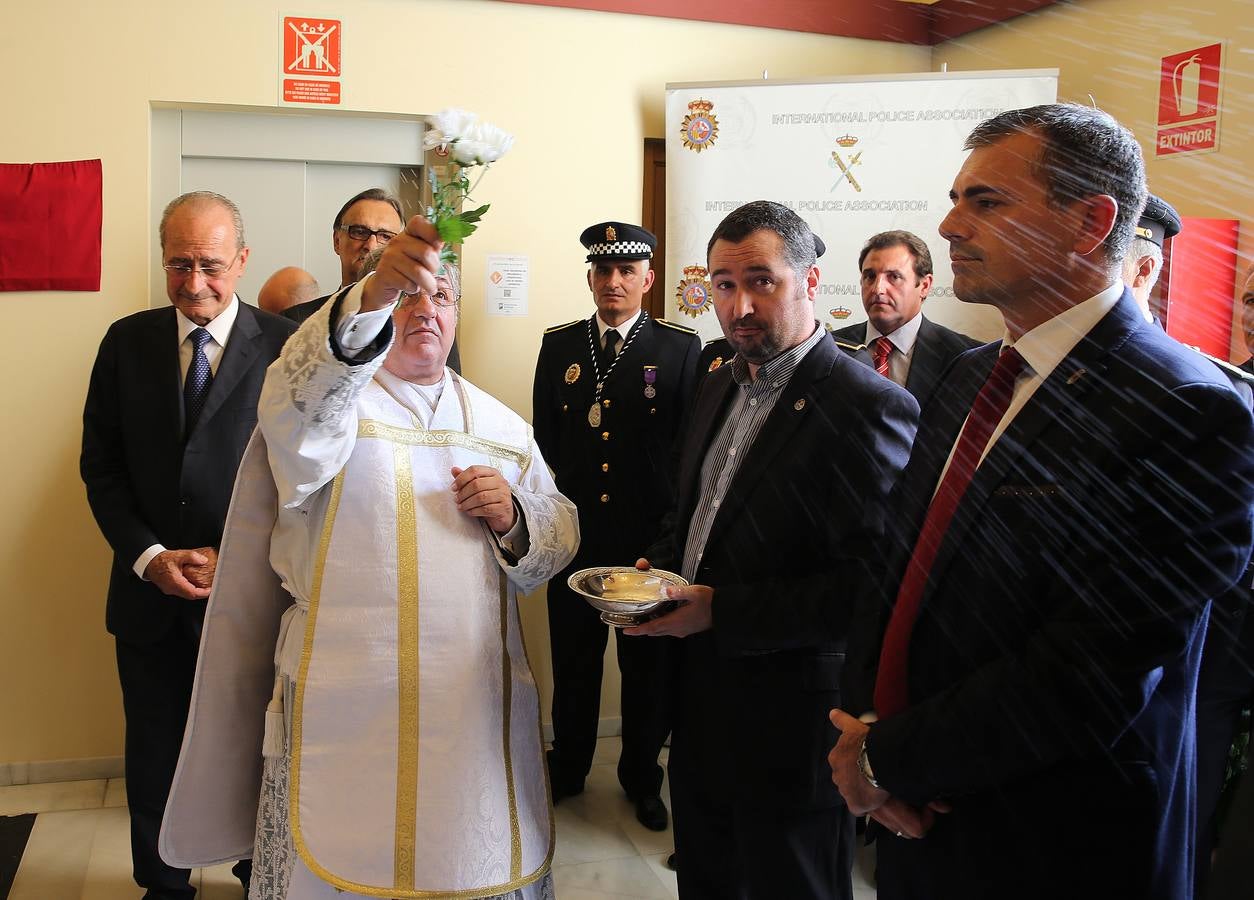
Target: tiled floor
x=79, y=848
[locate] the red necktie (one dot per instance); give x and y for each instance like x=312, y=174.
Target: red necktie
x=880, y=348
x=892, y=693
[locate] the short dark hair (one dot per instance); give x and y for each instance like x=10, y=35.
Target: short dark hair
x=1084, y=152
x=912, y=242
x=767, y=214
x=369, y=194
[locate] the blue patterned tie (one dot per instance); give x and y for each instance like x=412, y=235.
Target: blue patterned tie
x=199, y=377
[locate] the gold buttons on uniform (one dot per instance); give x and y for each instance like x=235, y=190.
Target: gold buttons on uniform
x=605, y=467
x=605, y=403
x=564, y=407
x=605, y=498
x=653, y=410
x=605, y=435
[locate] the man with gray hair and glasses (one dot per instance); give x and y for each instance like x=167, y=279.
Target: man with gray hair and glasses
x=171, y=404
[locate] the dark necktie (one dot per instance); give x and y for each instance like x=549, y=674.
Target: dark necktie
x=199, y=377
x=892, y=694
x=881, y=347
x=611, y=346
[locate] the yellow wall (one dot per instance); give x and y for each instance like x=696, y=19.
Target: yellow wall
x=580, y=90
x=1109, y=50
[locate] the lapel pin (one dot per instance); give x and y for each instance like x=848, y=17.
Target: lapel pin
x=799, y=405
x=572, y=374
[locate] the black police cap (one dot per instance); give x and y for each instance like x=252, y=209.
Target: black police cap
x=1159, y=222
x=617, y=240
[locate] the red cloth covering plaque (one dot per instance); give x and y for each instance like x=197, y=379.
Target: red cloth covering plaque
x=50, y=215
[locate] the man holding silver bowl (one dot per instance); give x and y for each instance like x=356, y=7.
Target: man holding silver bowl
x=783, y=483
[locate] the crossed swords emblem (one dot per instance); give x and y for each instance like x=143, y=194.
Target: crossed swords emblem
x=846, y=171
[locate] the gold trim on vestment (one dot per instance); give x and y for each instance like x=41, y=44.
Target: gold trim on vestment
x=407, y=670
x=306, y=652
x=371, y=428
x=548, y=789
x=402, y=437
x=507, y=703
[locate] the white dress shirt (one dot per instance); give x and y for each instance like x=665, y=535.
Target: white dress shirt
x=220, y=332
x=1042, y=349
x=903, y=340
x=623, y=330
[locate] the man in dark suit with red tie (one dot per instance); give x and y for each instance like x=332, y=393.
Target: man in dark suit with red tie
x=897, y=340
x=1076, y=497
x=171, y=404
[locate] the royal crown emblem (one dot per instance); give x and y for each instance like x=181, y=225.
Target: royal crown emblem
x=845, y=141
x=610, y=234
x=700, y=127
x=693, y=293
x=840, y=312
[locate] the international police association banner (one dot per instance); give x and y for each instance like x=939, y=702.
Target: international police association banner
x=853, y=156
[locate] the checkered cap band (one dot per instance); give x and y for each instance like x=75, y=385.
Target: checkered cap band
x=619, y=248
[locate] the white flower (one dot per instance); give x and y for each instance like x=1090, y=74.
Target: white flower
x=453, y=123
x=481, y=144
x=496, y=142
x=470, y=141
x=467, y=151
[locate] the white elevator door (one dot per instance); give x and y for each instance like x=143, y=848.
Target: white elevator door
x=288, y=173
x=287, y=207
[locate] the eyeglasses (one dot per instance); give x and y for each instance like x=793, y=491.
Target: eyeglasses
x=362, y=233
x=443, y=299
x=183, y=268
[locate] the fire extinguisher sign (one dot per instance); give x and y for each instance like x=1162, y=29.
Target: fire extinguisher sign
x=1188, y=101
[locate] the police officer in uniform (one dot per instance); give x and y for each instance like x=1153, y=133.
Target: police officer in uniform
x=610, y=397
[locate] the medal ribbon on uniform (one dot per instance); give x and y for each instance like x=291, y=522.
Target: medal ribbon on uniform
x=594, y=411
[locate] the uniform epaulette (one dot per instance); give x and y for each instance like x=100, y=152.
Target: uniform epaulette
x=684, y=328
x=560, y=327
x=844, y=345
x=1228, y=368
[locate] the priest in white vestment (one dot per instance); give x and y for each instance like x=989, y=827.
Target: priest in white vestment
x=401, y=510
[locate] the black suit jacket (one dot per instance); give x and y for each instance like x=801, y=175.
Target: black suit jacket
x=147, y=483
x=302, y=311
x=796, y=541
x=1053, y=664
x=621, y=475
x=935, y=348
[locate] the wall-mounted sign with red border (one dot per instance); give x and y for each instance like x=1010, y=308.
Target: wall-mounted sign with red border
x=311, y=51
x=1188, y=101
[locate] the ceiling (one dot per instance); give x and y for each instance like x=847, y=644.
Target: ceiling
x=905, y=21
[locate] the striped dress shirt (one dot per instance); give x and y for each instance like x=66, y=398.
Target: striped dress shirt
x=747, y=413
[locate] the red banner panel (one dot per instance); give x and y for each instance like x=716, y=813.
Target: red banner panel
x=1203, y=280
x=50, y=220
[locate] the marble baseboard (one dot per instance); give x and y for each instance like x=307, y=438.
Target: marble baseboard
x=44, y=771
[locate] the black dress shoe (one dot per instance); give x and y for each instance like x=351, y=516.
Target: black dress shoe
x=651, y=813
x=672, y=862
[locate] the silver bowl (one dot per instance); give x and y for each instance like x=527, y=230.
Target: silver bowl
x=626, y=595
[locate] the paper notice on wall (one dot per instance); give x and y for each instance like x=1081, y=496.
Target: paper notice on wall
x=508, y=276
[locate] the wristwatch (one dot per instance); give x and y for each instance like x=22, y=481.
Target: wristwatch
x=864, y=767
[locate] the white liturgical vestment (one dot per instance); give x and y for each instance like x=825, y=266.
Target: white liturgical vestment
x=412, y=718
